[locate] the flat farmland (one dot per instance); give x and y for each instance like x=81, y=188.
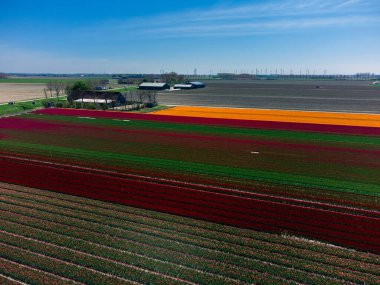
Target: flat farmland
x=248, y=173
x=21, y=91
x=334, y=96
x=255, y=197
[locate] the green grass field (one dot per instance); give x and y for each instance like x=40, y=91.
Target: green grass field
x=35, y=80
x=18, y=107
x=43, y=80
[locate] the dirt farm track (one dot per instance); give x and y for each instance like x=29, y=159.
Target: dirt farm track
x=20, y=91
x=333, y=96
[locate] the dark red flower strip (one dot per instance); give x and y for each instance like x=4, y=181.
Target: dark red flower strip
x=209, y=192
x=354, y=130
x=26, y=124
x=152, y=203
x=143, y=194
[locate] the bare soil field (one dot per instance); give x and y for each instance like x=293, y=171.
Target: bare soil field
x=20, y=91
x=333, y=96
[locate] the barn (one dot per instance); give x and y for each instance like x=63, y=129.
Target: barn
x=184, y=86
x=109, y=98
x=197, y=84
x=154, y=86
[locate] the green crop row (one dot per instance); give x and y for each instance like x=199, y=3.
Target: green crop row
x=318, y=164
x=281, y=135
x=193, y=167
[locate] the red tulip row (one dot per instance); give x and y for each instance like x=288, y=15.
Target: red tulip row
x=373, y=131
x=352, y=230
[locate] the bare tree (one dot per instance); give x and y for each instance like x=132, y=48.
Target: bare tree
x=152, y=96
x=141, y=95
x=55, y=85
x=3, y=75
x=50, y=87
x=46, y=96
x=59, y=87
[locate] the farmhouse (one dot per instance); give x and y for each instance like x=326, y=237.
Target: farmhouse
x=154, y=86
x=197, y=84
x=109, y=98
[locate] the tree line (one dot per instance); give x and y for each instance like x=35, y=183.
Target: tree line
x=60, y=88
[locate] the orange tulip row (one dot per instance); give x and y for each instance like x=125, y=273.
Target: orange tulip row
x=311, y=117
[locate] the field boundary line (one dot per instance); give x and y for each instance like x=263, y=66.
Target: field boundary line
x=98, y=257
x=69, y=263
x=13, y=280
x=121, y=251
x=41, y=271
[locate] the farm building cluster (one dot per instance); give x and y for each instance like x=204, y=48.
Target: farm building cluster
x=145, y=94
x=97, y=97
x=164, y=86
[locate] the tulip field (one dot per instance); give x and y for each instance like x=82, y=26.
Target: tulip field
x=190, y=195
x=53, y=238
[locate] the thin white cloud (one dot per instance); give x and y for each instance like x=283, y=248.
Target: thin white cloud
x=251, y=19
x=348, y=3
x=254, y=27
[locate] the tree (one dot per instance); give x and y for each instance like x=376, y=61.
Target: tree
x=77, y=86
x=142, y=94
x=93, y=83
x=172, y=78
x=3, y=75
x=50, y=87
x=55, y=85
x=152, y=97
x=59, y=87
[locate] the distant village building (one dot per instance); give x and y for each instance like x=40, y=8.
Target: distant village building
x=244, y=76
x=226, y=76
x=109, y=98
x=154, y=86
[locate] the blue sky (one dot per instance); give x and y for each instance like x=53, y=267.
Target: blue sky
x=115, y=36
